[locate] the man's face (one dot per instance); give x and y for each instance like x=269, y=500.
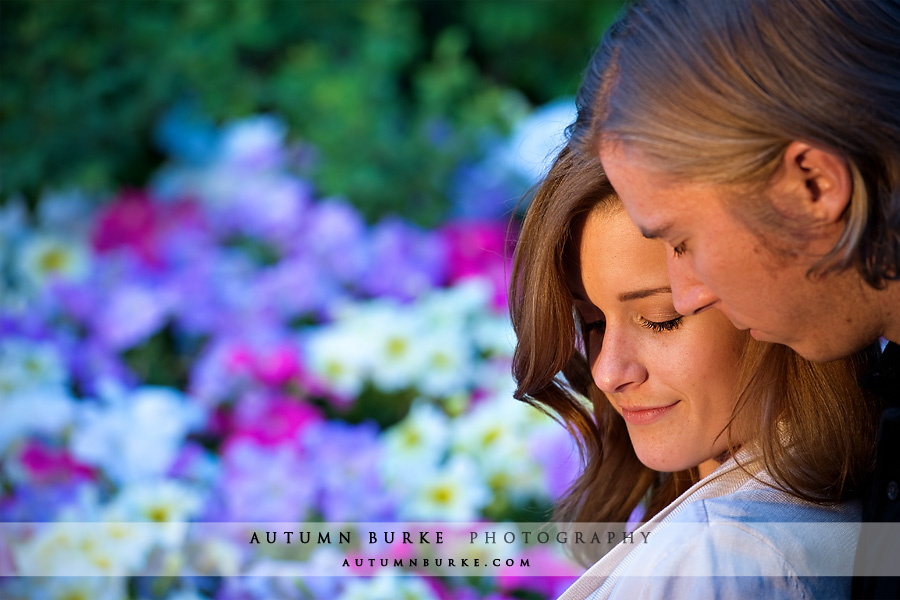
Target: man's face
x=715, y=261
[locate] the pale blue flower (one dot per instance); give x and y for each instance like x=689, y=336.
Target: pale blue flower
x=133, y=435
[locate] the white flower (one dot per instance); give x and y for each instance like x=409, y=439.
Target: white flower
x=168, y=503
x=494, y=335
x=34, y=397
x=419, y=441
x=427, y=345
x=448, y=362
x=286, y=577
x=340, y=356
x=394, y=337
x=494, y=377
x=453, y=492
x=457, y=304
x=38, y=364
x=44, y=257
x=387, y=586
x=136, y=436
x=215, y=556
x=500, y=447
x=72, y=548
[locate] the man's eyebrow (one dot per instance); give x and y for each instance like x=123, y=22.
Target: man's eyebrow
x=638, y=294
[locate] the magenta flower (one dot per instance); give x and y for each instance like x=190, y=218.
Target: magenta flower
x=480, y=249
x=41, y=463
x=272, y=420
x=564, y=573
x=274, y=366
x=134, y=221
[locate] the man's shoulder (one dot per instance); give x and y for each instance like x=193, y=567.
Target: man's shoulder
x=883, y=379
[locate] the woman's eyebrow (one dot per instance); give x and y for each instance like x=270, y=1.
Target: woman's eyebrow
x=638, y=294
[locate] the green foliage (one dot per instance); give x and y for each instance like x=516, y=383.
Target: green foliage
x=392, y=94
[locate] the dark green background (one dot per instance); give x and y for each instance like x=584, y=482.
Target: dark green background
x=392, y=94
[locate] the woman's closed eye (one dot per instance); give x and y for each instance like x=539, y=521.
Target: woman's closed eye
x=661, y=326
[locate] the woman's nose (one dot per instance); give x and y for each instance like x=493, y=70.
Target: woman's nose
x=618, y=365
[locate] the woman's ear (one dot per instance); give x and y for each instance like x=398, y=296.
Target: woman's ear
x=813, y=185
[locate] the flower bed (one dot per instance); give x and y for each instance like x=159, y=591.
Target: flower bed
x=224, y=346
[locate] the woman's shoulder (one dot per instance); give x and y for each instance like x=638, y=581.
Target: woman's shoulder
x=740, y=537
x=778, y=530
x=758, y=500
x=743, y=545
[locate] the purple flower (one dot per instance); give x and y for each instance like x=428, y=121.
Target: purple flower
x=344, y=459
x=269, y=207
x=559, y=457
x=297, y=287
x=94, y=364
x=42, y=502
x=266, y=483
x=335, y=236
x=485, y=190
x=405, y=263
x=130, y=315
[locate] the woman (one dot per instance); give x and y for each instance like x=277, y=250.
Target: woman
x=687, y=417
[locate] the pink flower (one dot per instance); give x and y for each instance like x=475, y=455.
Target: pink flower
x=480, y=249
x=271, y=420
x=45, y=464
x=274, y=366
x=561, y=574
x=278, y=366
x=136, y=222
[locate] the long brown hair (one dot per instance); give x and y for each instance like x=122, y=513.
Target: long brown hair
x=811, y=423
x=717, y=91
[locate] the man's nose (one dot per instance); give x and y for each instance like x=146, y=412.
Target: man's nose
x=689, y=295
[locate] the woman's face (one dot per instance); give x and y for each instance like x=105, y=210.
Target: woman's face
x=672, y=378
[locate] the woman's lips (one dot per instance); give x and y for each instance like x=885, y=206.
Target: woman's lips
x=645, y=416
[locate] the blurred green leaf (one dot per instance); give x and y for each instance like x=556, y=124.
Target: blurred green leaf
x=394, y=95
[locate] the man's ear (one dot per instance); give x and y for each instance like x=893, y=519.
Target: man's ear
x=813, y=185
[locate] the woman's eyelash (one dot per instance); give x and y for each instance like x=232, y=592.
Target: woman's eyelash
x=663, y=325
x=678, y=250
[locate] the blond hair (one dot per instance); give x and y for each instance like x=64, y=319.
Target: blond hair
x=717, y=90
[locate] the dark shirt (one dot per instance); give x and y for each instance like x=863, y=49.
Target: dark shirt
x=881, y=498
